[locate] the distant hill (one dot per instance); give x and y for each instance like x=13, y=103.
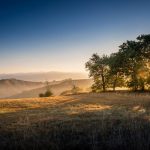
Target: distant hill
x=44, y=76
x=57, y=89
x=9, y=87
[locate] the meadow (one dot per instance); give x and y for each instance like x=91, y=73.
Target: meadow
x=110, y=121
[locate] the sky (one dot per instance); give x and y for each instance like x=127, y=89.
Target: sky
x=61, y=35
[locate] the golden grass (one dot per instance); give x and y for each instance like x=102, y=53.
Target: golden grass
x=90, y=114
x=62, y=107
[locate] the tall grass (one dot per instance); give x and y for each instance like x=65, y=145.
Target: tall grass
x=88, y=121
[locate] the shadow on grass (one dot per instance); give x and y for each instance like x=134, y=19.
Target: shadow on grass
x=92, y=130
x=124, y=125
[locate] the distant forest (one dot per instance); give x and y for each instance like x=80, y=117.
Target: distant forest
x=129, y=67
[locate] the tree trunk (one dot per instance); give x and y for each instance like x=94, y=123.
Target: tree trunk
x=143, y=88
x=134, y=79
x=103, y=83
x=114, y=87
x=103, y=80
x=114, y=84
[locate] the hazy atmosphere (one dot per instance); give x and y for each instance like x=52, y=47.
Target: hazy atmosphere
x=74, y=74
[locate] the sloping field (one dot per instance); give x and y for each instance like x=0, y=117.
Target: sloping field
x=86, y=121
x=57, y=89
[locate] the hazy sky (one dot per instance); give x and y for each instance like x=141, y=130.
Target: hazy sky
x=60, y=35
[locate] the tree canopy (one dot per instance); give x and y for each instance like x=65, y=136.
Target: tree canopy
x=129, y=67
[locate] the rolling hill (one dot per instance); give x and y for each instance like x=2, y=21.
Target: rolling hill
x=56, y=89
x=9, y=87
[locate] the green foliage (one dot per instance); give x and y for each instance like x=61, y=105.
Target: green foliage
x=148, y=82
x=129, y=66
x=116, y=76
x=98, y=68
x=144, y=41
x=96, y=87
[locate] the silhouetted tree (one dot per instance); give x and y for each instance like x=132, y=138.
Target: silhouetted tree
x=98, y=69
x=116, y=76
x=130, y=65
x=75, y=89
x=48, y=92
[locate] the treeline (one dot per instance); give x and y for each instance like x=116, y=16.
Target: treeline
x=129, y=67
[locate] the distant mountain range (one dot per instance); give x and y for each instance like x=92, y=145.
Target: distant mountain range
x=44, y=76
x=14, y=88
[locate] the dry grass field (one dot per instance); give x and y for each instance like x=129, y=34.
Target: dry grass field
x=107, y=121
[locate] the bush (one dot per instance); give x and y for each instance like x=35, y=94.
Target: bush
x=48, y=93
x=41, y=95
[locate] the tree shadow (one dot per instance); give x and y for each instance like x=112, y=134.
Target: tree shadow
x=96, y=129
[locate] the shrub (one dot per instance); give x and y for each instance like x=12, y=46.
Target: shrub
x=41, y=95
x=48, y=93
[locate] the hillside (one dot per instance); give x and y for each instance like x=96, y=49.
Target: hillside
x=106, y=121
x=9, y=87
x=56, y=89
x=44, y=76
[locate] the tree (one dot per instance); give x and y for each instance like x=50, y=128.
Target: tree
x=136, y=58
x=148, y=82
x=144, y=41
x=98, y=69
x=75, y=89
x=48, y=92
x=116, y=76
x=130, y=65
x=132, y=62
